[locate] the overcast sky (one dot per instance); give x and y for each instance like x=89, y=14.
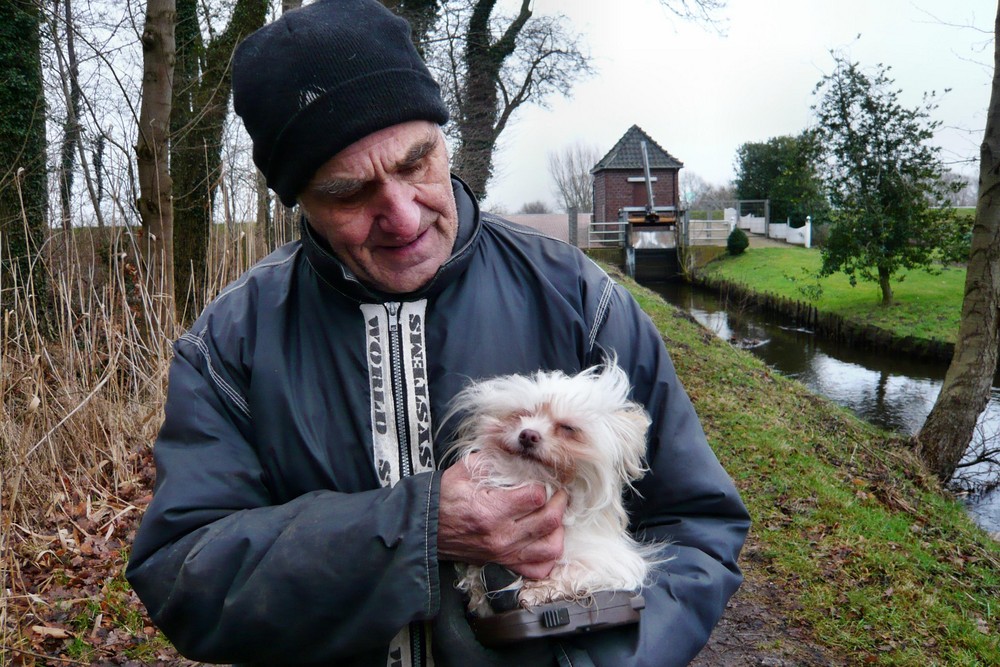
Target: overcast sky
x=701, y=95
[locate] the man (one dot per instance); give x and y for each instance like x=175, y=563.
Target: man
x=299, y=515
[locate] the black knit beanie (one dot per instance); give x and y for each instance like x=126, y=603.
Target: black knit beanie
x=322, y=77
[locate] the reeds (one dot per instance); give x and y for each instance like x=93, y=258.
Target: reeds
x=82, y=382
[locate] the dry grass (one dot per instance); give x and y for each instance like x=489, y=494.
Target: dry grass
x=81, y=395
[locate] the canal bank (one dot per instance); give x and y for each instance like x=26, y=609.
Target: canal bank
x=853, y=549
x=744, y=294
x=892, y=391
x=828, y=325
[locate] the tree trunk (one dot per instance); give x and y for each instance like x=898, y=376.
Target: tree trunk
x=477, y=126
x=949, y=428
x=885, y=284
x=420, y=14
x=155, y=187
x=23, y=177
x=71, y=147
x=285, y=221
x=71, y=128
x=265, y=225
x=202, y=89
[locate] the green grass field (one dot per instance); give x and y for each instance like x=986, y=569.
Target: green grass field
x=878, y=564
x=927, y=305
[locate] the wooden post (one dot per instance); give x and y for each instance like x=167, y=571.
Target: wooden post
x=573, y=216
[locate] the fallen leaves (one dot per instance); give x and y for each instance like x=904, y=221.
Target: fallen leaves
x=50, y=632
x=69, y=602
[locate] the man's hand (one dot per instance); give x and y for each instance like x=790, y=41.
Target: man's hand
x=516, y=528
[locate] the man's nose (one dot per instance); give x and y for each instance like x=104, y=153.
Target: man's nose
x=396, y=209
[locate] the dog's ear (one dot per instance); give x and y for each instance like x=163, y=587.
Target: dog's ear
x=631, y=424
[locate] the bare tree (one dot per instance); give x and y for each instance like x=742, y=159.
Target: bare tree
x=490, y=65
x=280, y=225
x=699, y=11
x=951, y=423
x=71, y=126
x=964, y=189
x=421, y=15
x=570, y=169
x=697, y=193
x=71, y=146
x=156, y=188
x=535, y=208
x=693, y=188
x=93, y=94
x=202, y=87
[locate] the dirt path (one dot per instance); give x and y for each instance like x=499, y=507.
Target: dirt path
x=759, y=626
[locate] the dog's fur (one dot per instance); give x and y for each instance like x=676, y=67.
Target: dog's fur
x=580, y=433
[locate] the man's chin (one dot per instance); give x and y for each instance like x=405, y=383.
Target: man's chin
x=406, y=269
x=404, y=279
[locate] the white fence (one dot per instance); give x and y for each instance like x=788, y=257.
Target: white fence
x=776, y=230
x=703, y=232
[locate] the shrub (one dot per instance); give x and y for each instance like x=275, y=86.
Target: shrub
x=737, y=242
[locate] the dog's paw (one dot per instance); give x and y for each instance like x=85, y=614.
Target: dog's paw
x=534, y=593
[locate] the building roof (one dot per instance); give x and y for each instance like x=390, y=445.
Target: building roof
x=627, y=153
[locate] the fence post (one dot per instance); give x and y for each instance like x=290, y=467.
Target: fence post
x=572, y=225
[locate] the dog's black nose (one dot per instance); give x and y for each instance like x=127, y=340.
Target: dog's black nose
x=529, y=438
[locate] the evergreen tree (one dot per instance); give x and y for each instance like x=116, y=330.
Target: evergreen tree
x=784, y=170
x=885, y=181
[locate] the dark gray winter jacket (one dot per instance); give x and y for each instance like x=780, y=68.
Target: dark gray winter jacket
x=287, y=526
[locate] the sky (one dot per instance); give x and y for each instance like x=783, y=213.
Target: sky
x=701, y=94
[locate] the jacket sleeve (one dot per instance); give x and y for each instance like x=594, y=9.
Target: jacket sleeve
x=686, y=501
x=231, y=576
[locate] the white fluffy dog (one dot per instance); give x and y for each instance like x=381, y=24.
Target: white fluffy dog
x=580, y=433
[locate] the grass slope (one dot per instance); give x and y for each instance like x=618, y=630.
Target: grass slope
x=927, y=305
x=878, y=563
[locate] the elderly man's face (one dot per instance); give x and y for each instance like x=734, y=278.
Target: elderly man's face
x=386, y=207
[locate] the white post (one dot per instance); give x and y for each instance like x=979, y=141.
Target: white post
x=808, y=230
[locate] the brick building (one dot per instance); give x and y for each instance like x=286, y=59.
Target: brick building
x=619, y=177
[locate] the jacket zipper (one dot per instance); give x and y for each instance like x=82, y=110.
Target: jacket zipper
x=403, y=435
x=399, y=390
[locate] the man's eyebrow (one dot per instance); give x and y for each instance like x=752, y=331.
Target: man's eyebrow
x=345, y=187
x=338, y=187
x=419, y=151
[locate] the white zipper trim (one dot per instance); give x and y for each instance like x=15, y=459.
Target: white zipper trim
x=400, y=409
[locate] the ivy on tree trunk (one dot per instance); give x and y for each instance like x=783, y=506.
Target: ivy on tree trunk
x=23, y=178
x=202, y=87
x=478, y=127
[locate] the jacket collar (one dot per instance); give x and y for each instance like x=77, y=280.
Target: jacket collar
x=333, y=272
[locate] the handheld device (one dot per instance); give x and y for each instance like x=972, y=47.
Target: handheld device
x=559, y=619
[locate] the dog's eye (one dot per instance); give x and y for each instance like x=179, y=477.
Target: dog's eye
x=568, y=429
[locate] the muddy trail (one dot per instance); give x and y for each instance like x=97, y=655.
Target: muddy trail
x=760, y=626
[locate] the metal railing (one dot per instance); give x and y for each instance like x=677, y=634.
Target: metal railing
x=607, y=234
x=708, y=232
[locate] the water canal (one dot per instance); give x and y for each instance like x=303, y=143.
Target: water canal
x=892, y=392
